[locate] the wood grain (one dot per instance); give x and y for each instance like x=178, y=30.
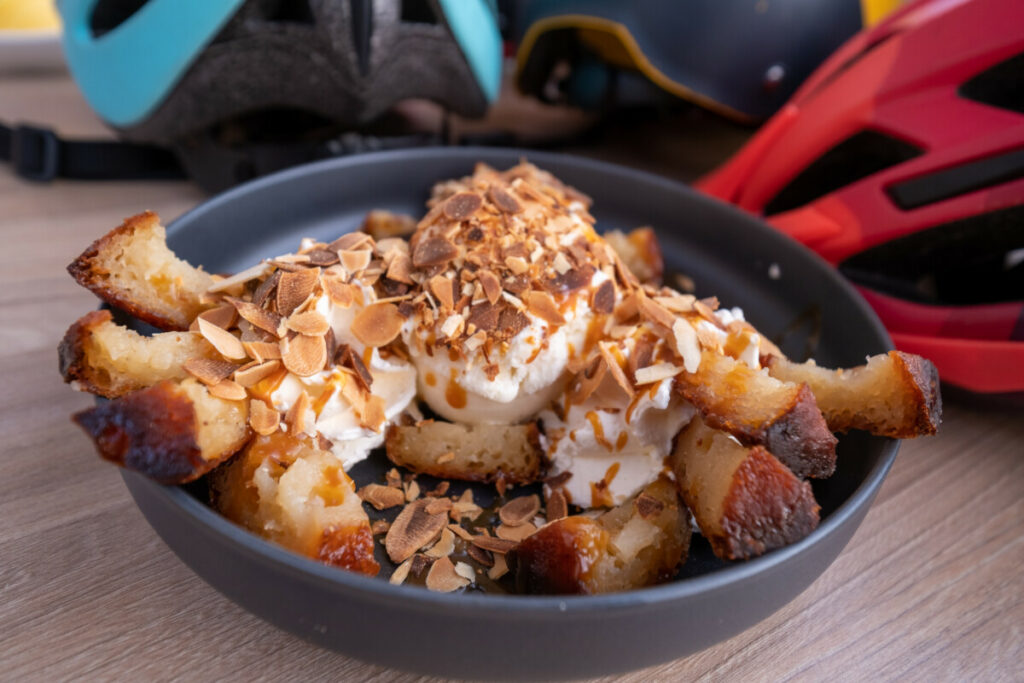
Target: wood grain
x=930, y=588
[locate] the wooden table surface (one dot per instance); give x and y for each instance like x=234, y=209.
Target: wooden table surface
x=930, y=588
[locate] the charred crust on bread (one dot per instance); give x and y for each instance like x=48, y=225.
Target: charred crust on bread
x=766, y=507
x=152, y=431
x=922, y=380
x=349, y=548
x=71, y=353
x=800, y=438
x=558, y=558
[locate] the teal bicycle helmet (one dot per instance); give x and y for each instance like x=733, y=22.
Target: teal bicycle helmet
x=241, y=87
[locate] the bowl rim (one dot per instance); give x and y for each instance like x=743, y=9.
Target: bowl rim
x=526, y=605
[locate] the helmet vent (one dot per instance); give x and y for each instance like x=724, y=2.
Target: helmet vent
x=1000, y=86
x=971, y=261
x=858, y=156
x=109, y=14
x=418, y=12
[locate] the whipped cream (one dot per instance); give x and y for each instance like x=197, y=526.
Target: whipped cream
x=618, y=448
x=394, y=380
x=745, y=347
x=531, y=372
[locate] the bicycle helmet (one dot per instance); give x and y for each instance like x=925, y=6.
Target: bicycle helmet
x=196, y=74
x=741, y=58
x=901, y=161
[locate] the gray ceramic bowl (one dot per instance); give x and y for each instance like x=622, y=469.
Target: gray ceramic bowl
x=726, y=252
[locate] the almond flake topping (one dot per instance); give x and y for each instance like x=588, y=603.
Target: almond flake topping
x=603, y=299
x=433, y=251
x=519, y=510
x=262, y=351
x=381, y=497
x=355, y=261
x=401, y=573
x=543, y=306
x=340, y=293
x=296, y=415
x=263, y=419
x=686, y=344
x=444, y=547
x=656, y=373
x=517, y=264
x=441, y=287
x=515, y=533
x=294, y=288
x=495, y=545
x=258, y=317
x=259, y=270
x=304, y=356
x=251, y=374
x=209, y=371
x=228, y=390
x=503, y=200
x=461, y=206
x=309, y=323
x=653, y=311
x=443, y=577
x=226, y=343
x=557, y=507
x=613, y=366
x=223, y=316
x=413, y=529
x=377, y=324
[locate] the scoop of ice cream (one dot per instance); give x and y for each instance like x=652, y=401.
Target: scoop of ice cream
x=513, y=277
x=610, y=444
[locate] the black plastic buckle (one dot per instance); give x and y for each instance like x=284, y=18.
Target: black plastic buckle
x=35, y=153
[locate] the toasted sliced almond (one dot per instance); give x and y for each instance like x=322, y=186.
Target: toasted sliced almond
x=495, y=545
x=543, y=306
x=209, y=371
x=461, y=532
x=614, y=368
x=296, y=415
x=355, y=260
x=412, y=492
x=262, y=351
x=461, y=206
x=706, y=310
x=223, y=316
x=444, y=546
x=561, y=264
x=304, y=356
x=499, y=569
x=441, y=287
x=255, y=372
x=453, y=325
x=252, y=273
x=381, y=497
x=413, y=529
x=433, y=251
x=503, y=200
x=309, y=323
x=653, y=311
x=340, y=293
x=519, y=510
x=678, y=303
x=656, y=373
x=372, y=416
x=603, y=299
x=517, y=264
x=400, y=269
x=226, y=343
x=515, y=533
x=380, y=526
x=401, y=573
x=465, y=571
x=439, y=505
x=294, y=288
x=443, y=578
x=491, y=285
x=228, y=390
x=557, y=508
x=351, y=240
x=686, y=344
x=258, y=317
x=263, y=419
x=377, y=324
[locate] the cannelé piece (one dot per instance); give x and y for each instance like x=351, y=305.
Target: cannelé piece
x=483, y=453
x=132, y=268
x=284, y=488
x=172, y=432
x=636, y=544
x=894, y=394
x=744, y=500
x=104, y=358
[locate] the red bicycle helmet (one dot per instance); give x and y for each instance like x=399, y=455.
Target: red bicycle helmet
x=901, y=161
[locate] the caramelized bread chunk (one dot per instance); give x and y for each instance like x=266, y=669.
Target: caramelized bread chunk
x=285, y=489
x=894, y=394
x=173, y=432
x=637, y=544
x=744, y=500
x=482, y=453
x=101, y=357
x=640, y=251
x=132, y=268
x=761, y=410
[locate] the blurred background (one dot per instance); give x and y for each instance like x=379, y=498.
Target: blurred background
x=887, y=136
